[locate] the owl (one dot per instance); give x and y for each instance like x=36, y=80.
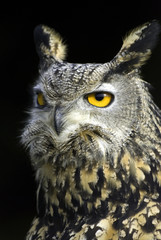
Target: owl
x=94, y=139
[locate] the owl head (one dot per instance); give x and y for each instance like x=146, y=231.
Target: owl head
x=87, y=112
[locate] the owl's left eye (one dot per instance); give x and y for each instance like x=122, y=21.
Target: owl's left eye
x=100, y=99
x=40, y=99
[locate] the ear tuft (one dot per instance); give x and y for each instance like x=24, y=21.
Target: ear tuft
x=49, y=45
x=143, y=37
x=137, y=47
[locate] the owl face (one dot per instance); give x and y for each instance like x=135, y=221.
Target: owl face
x=112, y=104
x=92, y=109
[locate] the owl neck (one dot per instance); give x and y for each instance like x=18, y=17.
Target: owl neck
x=66, y=194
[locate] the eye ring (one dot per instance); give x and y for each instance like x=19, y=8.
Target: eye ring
x=100, y=99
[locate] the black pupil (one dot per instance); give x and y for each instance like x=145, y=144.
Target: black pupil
x=99, y=96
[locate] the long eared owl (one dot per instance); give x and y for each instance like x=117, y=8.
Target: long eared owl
x=94, y=139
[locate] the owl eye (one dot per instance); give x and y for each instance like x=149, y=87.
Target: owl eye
x=40, y=99
x=100, y=99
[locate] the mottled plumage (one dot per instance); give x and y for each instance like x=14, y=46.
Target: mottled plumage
x=94, y=138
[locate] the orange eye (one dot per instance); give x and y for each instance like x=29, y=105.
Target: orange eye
x=100, y=99
x=40, y=99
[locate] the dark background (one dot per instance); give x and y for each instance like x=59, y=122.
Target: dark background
x=93, y=33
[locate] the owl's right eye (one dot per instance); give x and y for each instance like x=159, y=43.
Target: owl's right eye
x=40, y=99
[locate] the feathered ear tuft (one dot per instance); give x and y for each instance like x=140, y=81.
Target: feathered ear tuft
x=137, y=47
x=49, y=45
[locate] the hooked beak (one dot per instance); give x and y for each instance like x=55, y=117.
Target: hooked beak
x=58, y=119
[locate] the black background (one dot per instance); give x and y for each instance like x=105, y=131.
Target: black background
x=93, y=32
